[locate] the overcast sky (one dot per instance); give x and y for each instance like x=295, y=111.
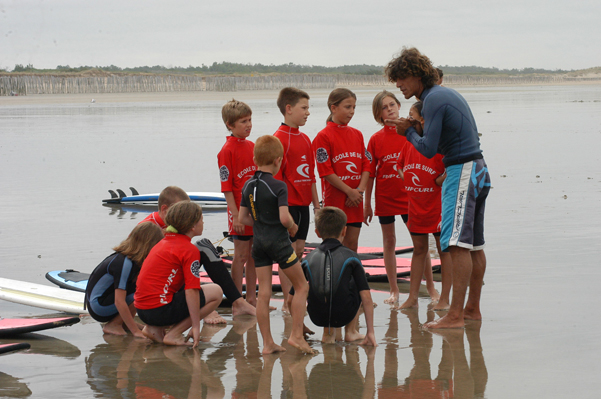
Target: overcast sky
x=558, y=34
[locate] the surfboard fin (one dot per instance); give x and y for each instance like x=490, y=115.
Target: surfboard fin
x=121, y=193
x=113, y=194
x=134, y=191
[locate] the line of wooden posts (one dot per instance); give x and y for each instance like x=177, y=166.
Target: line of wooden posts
x=53, y=84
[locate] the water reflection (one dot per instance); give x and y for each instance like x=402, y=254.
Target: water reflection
x=455, y=377
x=12, y=387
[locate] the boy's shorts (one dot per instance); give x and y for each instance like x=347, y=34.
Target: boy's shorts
x=340, y=315
x=172, y=313
x=300, y=214
x=464, y=193
x=279, y=251
x=392, y=219
x=241, y=238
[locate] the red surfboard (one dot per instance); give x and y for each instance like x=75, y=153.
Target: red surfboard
x=11, y=327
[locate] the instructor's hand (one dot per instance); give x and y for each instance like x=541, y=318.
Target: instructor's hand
x=402, y=124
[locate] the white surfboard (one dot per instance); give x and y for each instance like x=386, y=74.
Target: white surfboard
x=205, y=199
x=42, y=296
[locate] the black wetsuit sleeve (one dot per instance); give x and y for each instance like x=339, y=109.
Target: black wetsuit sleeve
x=216, y=269
x=359, y=276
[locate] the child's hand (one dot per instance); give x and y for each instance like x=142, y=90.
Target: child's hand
x=370, y=339
x=238, y=226
x=293, y=230
x=355, y=197
x=368, y=214
x=194, y=333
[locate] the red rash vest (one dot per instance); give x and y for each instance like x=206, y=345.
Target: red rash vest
x=424, y=194
x=298, y=165
x=340, y=150
x=236, y=166
x=385, y=147
x=172, y=263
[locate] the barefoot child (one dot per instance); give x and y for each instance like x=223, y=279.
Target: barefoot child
x=111, y=286
x=236, y=166
x=265, y=206
x=217, y=271
x=337, y=283
x=298, y=169
x=342, y=163
x=423, y=177
x=169, y=291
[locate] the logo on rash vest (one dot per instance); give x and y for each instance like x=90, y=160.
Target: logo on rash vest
x=163, y=296
x=195, y=268
x=224, y=173
x=303, y=170
x=368, y=155
x=351, y=167
x=321, y=155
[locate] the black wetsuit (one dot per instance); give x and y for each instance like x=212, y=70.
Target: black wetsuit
x=336, y=277
x=263, y=195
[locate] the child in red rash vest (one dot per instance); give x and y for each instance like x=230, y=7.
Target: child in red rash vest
x=423, y=178
x=236, y=166
x=297, y=170
x=343, y=163
x=168, y=288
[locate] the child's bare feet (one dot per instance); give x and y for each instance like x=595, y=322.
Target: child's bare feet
x=214, y=318
x=241, y=307
x=392, y=299
x=471, y=313
x=329, y=336
x=351, y=336
x=302, y=345
x=434, y=295
x=156, y=334
x=176, y=341
x=408, y=304
x=115, y=329
x=445, y=322
x=273, y=348
x=307, y=331
x=441, y=305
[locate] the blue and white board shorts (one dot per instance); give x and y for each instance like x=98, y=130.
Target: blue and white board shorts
x=464, y=195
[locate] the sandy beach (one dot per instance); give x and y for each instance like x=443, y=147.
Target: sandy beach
x=538, y=338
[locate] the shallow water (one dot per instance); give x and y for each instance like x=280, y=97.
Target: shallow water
x=539, y=337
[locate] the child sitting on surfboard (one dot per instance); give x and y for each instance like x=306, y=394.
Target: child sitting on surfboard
x=264, y=206
x=111, y=286
x=298, y=169
x=422, y=178
x=218, y=272
x=236, y=166
x=337, y=283
x=169, y=292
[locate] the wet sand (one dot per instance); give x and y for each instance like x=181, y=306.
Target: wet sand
x=539, y=336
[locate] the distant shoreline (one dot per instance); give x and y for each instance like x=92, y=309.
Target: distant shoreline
x=27, y=85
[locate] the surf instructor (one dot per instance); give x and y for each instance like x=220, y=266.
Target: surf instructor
x=449, y=129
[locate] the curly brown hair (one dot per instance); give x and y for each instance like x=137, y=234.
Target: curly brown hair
x=412, y=63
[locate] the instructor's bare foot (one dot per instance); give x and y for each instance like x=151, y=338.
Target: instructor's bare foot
x=441, y=305
x=392, y=299
x=446, y=321
x=156, y=334
x=472, y=314
x=408, y=304
x=273, y=348
x=302, y=346
x=214, y=318
x=241, y=307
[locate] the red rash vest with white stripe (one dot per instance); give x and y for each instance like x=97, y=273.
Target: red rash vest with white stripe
x=340, y=150
x=298, y=165
x=385, y=147
x=236, y=166
x=172, y=263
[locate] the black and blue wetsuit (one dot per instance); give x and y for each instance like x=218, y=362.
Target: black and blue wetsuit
x=336, y=277
x=449, y=127
x=115, y=272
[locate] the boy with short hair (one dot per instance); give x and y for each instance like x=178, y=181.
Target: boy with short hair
x=264, y=205
x=298, y=168
x=236, y=166
x=215, y=267
x=337, y=283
